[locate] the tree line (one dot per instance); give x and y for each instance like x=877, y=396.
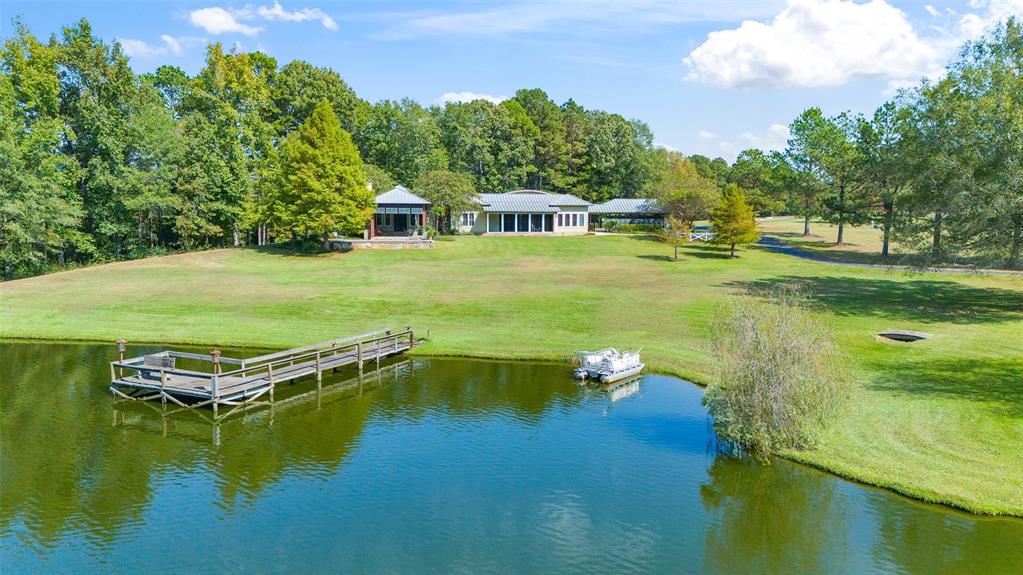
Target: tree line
x=99, y=163
x=939, y=168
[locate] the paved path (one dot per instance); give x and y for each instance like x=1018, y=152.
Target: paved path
x=777, y=245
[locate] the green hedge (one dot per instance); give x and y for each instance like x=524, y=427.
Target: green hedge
x=637, y=228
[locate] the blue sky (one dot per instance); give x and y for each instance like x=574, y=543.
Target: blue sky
x=708, y=77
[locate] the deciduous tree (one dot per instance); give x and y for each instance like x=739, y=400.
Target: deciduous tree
x=449, y=193
x=675, y=233
x=732, y=221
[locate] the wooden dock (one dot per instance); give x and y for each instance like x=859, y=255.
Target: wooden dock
x=155, y=376
x=196, y=425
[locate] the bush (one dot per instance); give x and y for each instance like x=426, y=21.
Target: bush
x=638, y=228
x=610, y=225
x=781, y=378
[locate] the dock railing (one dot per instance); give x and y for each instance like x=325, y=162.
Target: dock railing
x=314, y=359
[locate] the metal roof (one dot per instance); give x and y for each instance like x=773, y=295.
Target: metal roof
x=401, y=195
x=628, y=206
x=528, y=201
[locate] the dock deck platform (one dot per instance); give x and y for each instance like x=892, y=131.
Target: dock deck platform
x=155, y=376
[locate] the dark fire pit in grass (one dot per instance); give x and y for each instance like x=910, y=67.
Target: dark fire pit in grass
x=903, y=335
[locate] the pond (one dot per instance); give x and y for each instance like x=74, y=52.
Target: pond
x=431, y=465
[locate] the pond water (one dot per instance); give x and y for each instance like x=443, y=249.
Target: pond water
x=445, y=466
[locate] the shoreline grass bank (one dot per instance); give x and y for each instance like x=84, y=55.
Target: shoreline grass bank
x=940, y=420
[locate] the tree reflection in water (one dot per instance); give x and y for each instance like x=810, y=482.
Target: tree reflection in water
x=499, y=466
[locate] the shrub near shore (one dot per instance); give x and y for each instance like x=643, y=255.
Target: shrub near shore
x=780, y=376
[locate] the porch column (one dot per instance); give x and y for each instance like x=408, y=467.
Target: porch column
x=372, y=226
x=422, y=218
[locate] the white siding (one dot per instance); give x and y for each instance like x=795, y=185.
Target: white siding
x=580, y=221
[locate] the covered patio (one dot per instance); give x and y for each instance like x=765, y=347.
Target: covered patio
x=399, y=212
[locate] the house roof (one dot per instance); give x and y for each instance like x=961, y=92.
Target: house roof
x=628, y=206
x=401, y=195
x=529, y=201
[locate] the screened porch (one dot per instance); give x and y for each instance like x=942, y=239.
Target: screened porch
x=520, y=223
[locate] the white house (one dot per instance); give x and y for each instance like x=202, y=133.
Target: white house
x=527, y=212
x=398, y=213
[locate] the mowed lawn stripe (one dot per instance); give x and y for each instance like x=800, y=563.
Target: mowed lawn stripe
x=941, y=419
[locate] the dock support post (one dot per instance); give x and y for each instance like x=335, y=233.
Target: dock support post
x=319, y=374
x=215, y=392
x=411, y=341
x=163, y=384
x=270, y=377
x=122, y=346
x=215, y=356
x=358, y=350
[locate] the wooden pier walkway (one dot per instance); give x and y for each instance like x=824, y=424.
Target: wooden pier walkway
x=155, y=376
x=196, y=425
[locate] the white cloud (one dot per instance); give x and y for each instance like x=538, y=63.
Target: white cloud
x=668, y=147
x=776, y=138
x=139, y=49
x=469, y=97
x=277, y=12
x=830, y=42
x=216, y=20
x=171, y=45
x=566, y=16
x=705, y=135
x=812, y=43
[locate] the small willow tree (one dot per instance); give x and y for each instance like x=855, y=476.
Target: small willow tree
x=675, y=233
x=781, y=378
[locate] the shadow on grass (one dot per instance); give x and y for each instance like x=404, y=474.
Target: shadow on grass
x=662, y=258
x=644, y=237
x=285, y=249
x=708, y=251
x=911, y=300
x=995, y=383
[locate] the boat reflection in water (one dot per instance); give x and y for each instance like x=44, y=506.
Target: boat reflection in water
x=617, y=391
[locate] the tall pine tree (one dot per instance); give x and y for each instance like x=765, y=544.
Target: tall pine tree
x=323, y=186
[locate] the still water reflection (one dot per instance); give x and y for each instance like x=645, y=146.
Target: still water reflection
x=432, y=466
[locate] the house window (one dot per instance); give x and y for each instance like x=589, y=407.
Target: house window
x=560, y=221
x=582, y=220
x=468, y=219
x=523, y=223
x=494, y=223
x=509, y=223
x=575, y=220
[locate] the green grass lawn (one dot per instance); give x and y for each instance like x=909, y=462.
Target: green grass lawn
x=862, y=244
x=941, y=419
